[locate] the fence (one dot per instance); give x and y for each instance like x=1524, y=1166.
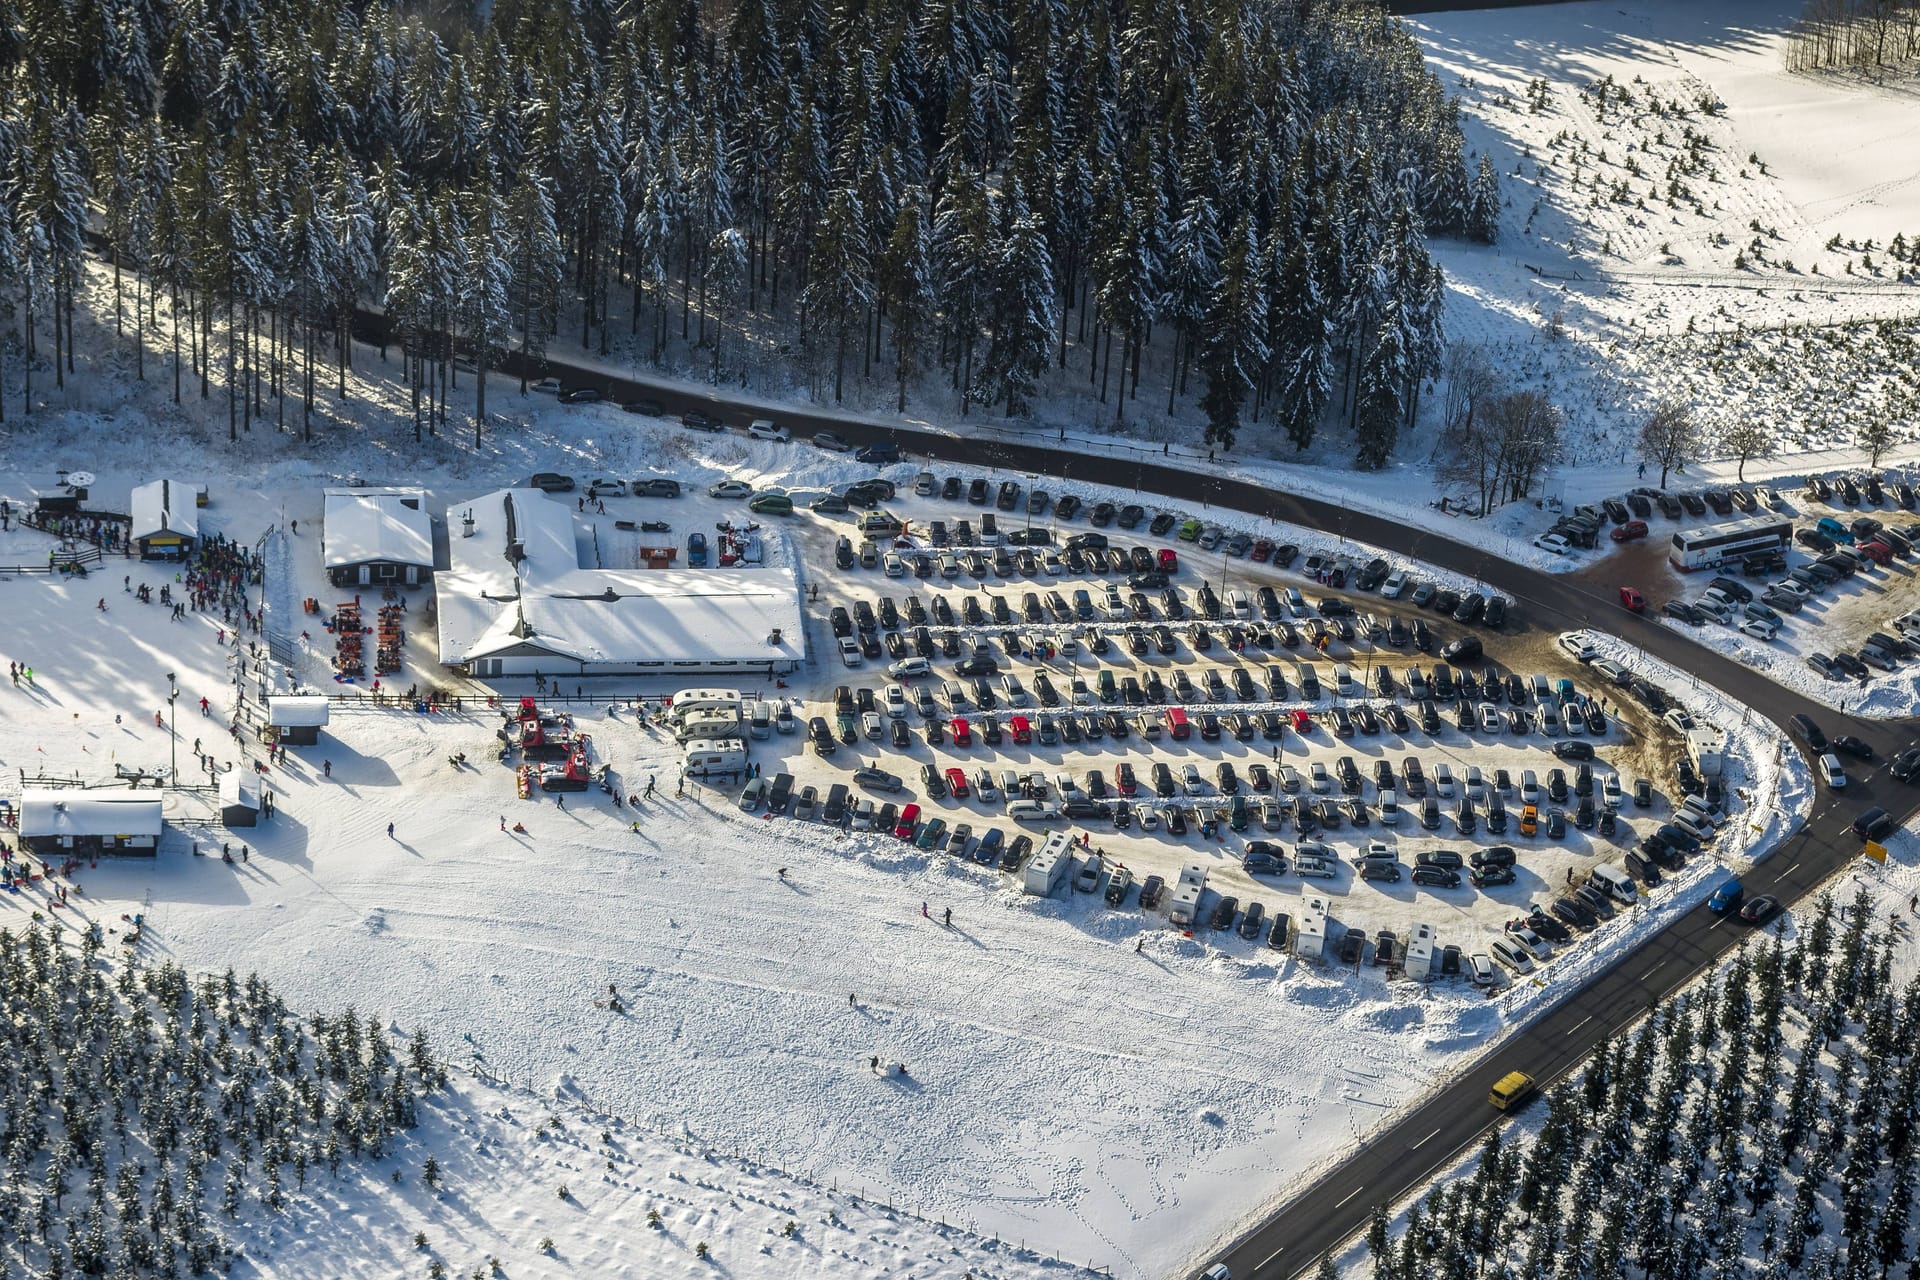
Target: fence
x=60, y=562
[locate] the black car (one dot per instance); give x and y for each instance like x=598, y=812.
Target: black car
x=1808, y=732
x=697, y=421
x=1102, y=514
x=1847, y=744
x=1151, y=890
x=1573, y=749
x=1162, y=524
x=1223, y=912
x=1465, y=649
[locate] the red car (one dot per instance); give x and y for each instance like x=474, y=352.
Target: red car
x=1169, y=561
x=909, y=819
x=1262, y=550
x=957, y=783
x=1630, y=530
x=1632, y=600
x=962, y=733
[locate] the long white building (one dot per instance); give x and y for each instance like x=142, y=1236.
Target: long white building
x=518, y=600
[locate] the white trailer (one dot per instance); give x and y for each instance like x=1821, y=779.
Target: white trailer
x=1310, y=930
x=715, y=757
x=690, y=701
x=1707, y=748
x=1048, y=869
x=1184, y=907
x=1422, y=953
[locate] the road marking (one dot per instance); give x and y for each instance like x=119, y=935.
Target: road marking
x=1649, y=973
x=1718, y=921
x=1576, y=1026
x=1790, y=870
x=1350, y=1195
x=1423, y=1142
x=1270, y=1257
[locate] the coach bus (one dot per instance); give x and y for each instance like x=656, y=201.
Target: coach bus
x=1716, y=544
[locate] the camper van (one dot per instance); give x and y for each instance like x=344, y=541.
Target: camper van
x=688, y=701
x=715, y=757
x=710, y=724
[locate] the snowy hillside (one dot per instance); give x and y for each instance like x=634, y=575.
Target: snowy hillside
x=1685, y=217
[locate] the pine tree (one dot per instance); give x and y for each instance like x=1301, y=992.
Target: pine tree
x=1302, y=347
x=838, y=286
x=1022, y=310
x=1233, y=335
x=907, y=292
x=1383, y=379
x=1483, y=203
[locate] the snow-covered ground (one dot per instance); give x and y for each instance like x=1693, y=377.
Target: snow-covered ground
x=1143, y=1133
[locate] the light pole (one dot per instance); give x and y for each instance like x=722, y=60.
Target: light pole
x=173, y=737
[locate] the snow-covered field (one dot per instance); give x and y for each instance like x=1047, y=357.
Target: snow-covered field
x=1627, y=267
x=1142, y=1131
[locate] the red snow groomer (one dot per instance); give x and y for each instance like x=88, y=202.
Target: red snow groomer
x=575, y=775
x=539, y=737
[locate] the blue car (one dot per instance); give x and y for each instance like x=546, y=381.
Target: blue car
x=1726, y=897
x=696, y=550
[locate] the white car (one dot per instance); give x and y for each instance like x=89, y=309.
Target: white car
x=545, y=387
x=1476, y=782
x=850, y=651
x=1490, y=718
x=1577, y=645
x=983, y=787
x=1191, y=780
x=1512, y=955
x=1317, y=776
x=1239, y=605
x=1394, y=587
x=1768, y=498
x=1481, y=970
x=1832, y=772
x=606, y=488
x=1529, y=788
x=730, y=489
x=1016, y=693
x=894, y=566
x=1376, y=851
x=1559, y=546
x=1443, y=780
x=1759, y=629
x=908, y=668
x=831, y=442
x=1289, y=779
x=1054, y=564
x=1088, y=877
x=1296, y=603
x=1678, y=719
x=1613, y=671
x=897, y=704
x=765, y=429
x=1612, y=792
x=1032, y=811
x=1527, y=938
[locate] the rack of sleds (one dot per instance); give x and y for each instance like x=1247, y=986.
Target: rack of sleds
x=553, y=754
x=349, y=641
x=391, y=638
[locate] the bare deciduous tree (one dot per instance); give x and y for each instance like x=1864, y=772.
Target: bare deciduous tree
x=1747, y=439
x=1668, y=437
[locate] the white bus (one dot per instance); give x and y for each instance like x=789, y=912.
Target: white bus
x=1716, y=544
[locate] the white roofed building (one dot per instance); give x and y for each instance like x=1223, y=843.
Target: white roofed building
x=76, y=821
x=166, y=520
x=518, y=600
x=376, y=538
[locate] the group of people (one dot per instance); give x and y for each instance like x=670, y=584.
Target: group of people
x=97, y=531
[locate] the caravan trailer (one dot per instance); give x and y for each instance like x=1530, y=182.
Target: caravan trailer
x=1184, y=907
x=1310, y=930
x=1048, y=869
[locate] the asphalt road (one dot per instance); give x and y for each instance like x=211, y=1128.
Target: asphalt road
x=1398, y=1160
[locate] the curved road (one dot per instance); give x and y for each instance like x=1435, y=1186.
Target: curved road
x=1438, y=1130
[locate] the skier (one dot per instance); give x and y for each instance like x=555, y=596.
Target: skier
x=873, y=1064
x=949, y=921
x=204, y=707
x=389, y=831
x=503, y=822
x=560, y=801
x=296, y=526
x=782, y=872
x=923, y=912
x=326, y=767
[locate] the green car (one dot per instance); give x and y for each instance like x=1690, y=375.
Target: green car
x=1189, y=531
x=770, y=504
x=1237, y=814
x=930, y=833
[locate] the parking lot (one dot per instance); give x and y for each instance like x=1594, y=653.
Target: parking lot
x=1835, y=615
x=1049, y=682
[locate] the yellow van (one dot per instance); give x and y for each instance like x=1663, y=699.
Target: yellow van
x=1511, y=1090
